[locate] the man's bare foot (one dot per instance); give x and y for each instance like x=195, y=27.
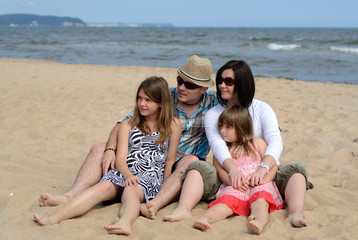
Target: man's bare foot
x=297, y=220
x=177, y=215
x=43, y=221
x=148, y=210
x=48, y=200
x=119, y=228
x=255, y=226
x=202, y=224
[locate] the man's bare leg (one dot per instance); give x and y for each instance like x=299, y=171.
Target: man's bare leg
x=191, y=193
x=89, y=174
x=295, y=193
x=170, y=189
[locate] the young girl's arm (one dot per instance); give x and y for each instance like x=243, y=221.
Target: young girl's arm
x=222, y=173
x=173, y=147
x=121, y=157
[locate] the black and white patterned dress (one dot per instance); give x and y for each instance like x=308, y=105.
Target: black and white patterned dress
x=145, y=160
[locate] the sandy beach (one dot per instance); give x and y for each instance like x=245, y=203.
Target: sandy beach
x=52, y=113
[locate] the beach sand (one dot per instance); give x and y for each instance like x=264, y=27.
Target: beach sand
x=52, y=113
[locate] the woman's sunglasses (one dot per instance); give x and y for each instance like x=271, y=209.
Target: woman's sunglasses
x=188, y=85
x=227, y=81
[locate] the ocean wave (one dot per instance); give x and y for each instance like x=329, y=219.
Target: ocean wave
x=344, y=49
x=274, y=46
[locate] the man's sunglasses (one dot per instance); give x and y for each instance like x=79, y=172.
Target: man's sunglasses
x=227, y=81
x=188, y=85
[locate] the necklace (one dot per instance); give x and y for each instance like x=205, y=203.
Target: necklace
x=193, y=104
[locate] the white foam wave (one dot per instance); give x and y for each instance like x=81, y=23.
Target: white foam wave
x=274, y=46
x=344, y=49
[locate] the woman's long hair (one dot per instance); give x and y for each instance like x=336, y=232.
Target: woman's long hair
x=239, y=118
x=156, y=88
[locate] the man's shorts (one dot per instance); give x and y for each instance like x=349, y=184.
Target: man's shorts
x=212, y=181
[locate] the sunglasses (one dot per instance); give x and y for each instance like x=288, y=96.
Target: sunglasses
x=188, y=85
x=227, y=81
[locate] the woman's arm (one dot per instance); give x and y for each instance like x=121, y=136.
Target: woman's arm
x=173, y=147
x=222, y=173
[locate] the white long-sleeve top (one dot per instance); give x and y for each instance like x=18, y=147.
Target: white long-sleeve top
x=265, y=126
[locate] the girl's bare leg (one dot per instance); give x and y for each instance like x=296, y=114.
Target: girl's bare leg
x=259, y=215
x=81, y=204
x=191, y=194
x=214, y=214
x=131, y=199
x=295, y=193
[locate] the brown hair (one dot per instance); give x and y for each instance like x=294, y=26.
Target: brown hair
x=156, y=88
x=239, y=118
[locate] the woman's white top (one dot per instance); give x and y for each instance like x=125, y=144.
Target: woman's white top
x=265, y=126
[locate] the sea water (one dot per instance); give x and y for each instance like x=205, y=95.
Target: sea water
x=310, y=54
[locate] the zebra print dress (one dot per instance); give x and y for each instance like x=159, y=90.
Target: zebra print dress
x=145, y=160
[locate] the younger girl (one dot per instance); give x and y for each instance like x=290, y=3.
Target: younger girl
x=146, y=150
x=235, y=127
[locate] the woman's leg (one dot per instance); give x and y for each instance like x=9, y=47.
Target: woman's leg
x=191, y=194
x=295, y=193
x=214, y=214
x=131, y=199
x=82, y=203
x=259, y=215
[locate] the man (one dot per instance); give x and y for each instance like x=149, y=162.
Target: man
x=192, y=99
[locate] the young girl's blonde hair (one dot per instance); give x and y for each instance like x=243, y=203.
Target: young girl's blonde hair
x=156, y=88
x=239, y=118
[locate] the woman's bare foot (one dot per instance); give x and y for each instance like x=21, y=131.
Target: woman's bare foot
x=148, y=210
x=297, y=220
x=48, y=200
x=177, y=215
x=119, y=228
x=43, y=221
x=202, y=224
x=255, y=225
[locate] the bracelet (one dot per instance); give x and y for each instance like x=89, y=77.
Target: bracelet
x=110, y=149
x=232, y=171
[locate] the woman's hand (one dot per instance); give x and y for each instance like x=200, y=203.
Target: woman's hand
x=257, y=177
x=131, y=180
x=108, y=160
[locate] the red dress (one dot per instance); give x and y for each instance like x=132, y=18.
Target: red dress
x=240, y=202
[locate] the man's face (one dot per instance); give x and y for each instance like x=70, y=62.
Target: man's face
x=189, y=96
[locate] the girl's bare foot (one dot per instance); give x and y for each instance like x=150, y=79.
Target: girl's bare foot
x=48, y=200
x=177, y=215
x=148, y=210
x=297, y=220
x=202, y=224
x=124, y=229
x=43, y=221
x=255, y=226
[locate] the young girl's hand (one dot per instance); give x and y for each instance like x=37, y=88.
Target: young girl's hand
x=245, y=185
x=131, y=180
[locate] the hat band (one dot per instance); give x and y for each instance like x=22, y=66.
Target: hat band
x=194, y=78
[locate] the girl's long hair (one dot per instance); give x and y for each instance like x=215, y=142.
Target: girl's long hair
x=156, y=88
x=239, y=118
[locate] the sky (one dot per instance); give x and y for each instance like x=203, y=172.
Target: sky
x=197, y=13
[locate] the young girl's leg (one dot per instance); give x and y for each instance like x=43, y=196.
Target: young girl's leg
x=259, y=215
x=214, y=214
x=82, y=203
x=131, y=200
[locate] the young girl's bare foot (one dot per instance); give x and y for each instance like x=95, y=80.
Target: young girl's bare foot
x=177, y=215
x=255, y=225
x=43, y=221
x=119, y=228
x=202, y=224
x=48, y=200
x=148, y=210
x=297, y=220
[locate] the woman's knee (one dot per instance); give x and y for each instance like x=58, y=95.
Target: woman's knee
x=185, y=161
